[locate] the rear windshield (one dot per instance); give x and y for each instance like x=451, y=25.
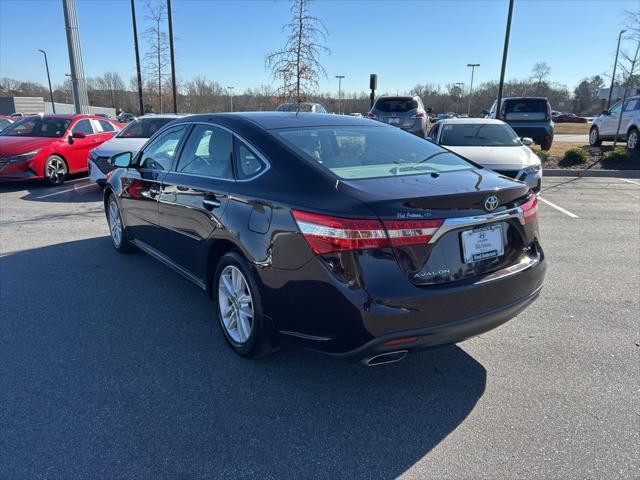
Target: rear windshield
x=478, y=135
x=396, y=104
x=371, y=152
x=525, y=105
x=144, y=128
x=49, y=127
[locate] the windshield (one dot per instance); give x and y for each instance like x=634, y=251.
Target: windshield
x=478, y=135
x=371, y=152
x=50, y=127
x=144, y=128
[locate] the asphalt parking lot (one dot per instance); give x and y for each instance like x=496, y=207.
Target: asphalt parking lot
x=111, y=366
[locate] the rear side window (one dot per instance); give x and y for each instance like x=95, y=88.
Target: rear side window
x=248, y=163
x=106, y=126
x=371, y=152
x=83, y=126
x=207, y=152
x=396, y=104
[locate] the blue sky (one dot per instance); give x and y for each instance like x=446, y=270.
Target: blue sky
x=405, y=42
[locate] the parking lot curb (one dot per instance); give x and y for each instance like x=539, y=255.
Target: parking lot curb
x=560, y=172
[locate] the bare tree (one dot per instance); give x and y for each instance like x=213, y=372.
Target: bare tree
x=539, y=74
x=297, y=65
x=156, y=60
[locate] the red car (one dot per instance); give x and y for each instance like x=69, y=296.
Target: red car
x=50, y=147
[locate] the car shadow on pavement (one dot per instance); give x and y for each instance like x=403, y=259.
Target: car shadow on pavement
x=113, y=366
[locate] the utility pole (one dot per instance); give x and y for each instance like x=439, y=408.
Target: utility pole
x=473, y=69
x=504, y=59
x=135, y=44
x=339, y=77
x=46, y=64
x=624, y=97
x=173, y=61
x=615, y=64
x=80, y=98
x=231, y=97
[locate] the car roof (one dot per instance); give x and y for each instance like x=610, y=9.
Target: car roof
x=525, y=98
x=66, y=116
x=449, y=121
x=161, y=115
x=274, y=120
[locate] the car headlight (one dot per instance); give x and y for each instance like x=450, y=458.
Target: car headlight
x=23, y=156
x=532, y=169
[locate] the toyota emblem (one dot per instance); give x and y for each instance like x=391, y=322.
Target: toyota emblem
x=490, y=203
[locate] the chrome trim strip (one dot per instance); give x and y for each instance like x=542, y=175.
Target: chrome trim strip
x=168, y=262
x=462, y=222
x=521, y=266
x=304, y=336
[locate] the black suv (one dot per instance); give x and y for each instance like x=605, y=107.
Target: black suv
x=528, y=116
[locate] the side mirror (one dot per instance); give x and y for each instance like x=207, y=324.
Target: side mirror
x=485, y=112
x=122, y=160
x=526, y=141
x=606, y=112
x=78, y=135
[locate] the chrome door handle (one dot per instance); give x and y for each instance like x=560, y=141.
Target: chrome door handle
x=210, y=203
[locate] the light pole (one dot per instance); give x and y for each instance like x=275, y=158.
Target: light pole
x=339, y=77
x=615, y=64
x=46, y=64
x=173, y=60
x=137, y=50
x=231, y=97
x=460, y=85
x=473, y=69
x=504, y=60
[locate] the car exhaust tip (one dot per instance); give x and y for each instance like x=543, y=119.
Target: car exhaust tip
x=384, y=358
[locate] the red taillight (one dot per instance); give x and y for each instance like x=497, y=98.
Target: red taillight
x=370, y=115
x=326, y=234
x=411, y=232
x=530, y=209
x=419, y=115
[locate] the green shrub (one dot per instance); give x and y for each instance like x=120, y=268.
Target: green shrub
x=574, y=156
x=542, y=155
x=618, y=155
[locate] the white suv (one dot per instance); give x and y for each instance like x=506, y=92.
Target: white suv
x=605, y=126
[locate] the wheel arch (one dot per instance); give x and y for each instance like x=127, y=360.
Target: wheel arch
x=215, y=251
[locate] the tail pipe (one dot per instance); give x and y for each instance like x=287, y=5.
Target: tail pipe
x=384, y=358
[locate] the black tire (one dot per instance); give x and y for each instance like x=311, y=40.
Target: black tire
x=545, y=144
x=55, y=170
x=260, y=342
x=594, y=137
x=121, y=244
x=633, y=139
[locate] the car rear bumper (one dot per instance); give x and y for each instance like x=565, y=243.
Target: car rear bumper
x=355, y=320
x=538, y=132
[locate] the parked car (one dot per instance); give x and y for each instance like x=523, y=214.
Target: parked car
x=606, y=125
x=407, y=113
x=332, y=232
x=5, y=121
x=442, y=116
x=50, y=147
x=304, y=107
x=130, y=139
x=126, y=117
x=568, y=118
x=492, y=144
x=529, y=117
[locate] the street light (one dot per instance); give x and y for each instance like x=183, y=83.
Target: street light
x=339, y=77
x=231, y=97
x=615, y=64
x=46, y=64
x=473, y=69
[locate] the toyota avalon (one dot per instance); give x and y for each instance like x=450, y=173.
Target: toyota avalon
x=339, y=234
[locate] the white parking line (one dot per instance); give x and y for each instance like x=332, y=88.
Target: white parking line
x=65, y=191
x=560, y=209
x=629, y=181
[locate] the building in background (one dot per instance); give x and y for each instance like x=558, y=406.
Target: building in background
x=37, y=105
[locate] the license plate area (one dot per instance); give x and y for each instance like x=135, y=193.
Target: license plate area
x=482, y=243
x=394, y=121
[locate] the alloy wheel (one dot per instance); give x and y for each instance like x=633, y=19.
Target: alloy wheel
x=632, y=141
x=236, y=304
x=593, y=136
x=56, y=170
x=115, y=225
